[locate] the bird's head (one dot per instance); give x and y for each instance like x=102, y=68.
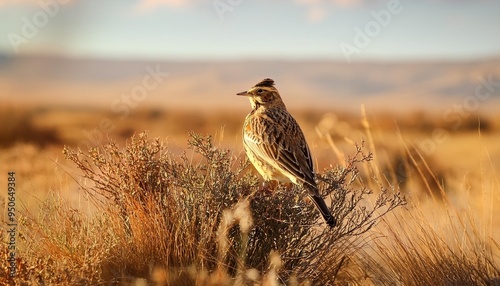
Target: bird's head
x=263, y=94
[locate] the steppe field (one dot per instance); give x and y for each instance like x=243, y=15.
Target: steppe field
x=121, y=183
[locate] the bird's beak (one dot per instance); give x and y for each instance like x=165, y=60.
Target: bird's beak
x=244, y=93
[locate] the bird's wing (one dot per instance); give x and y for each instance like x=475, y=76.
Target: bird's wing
x=279, y=141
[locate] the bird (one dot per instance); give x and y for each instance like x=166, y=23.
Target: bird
x=276, y=146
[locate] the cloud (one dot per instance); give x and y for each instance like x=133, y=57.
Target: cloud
x=317, y=10
x=143, y=5
x=146, y=5
x=347, y=3
x=316, y=14
x=6, y=3
x=342, y=3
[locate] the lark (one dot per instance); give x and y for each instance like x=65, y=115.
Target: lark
x=276, y=145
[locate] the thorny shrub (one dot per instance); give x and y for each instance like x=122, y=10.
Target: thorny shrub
x=200, y=217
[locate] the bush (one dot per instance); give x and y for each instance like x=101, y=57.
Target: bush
x=198, y=219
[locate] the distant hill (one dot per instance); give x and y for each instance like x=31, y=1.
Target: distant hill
x=311, y=84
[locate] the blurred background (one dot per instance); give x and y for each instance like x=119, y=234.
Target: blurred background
x=416, y=81
x=427, y=73
x=337, y=54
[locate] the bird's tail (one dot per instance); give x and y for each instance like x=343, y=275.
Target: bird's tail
x=320, y=204
x=323, y=209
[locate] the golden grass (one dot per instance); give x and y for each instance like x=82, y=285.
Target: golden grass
x=146, y=213
x=155, y=211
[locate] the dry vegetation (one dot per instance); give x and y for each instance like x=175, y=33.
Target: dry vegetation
x=153, y=214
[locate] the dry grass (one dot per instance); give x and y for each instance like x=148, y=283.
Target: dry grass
x=417, y=252
x=153, y=215
x=164, y=216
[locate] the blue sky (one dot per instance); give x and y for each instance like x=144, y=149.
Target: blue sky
x=244, y=29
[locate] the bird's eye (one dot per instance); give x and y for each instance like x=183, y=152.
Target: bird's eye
x=259, y=90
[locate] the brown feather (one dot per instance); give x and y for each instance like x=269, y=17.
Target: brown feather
x=276, y=145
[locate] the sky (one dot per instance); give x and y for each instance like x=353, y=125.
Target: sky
x=350, y=30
